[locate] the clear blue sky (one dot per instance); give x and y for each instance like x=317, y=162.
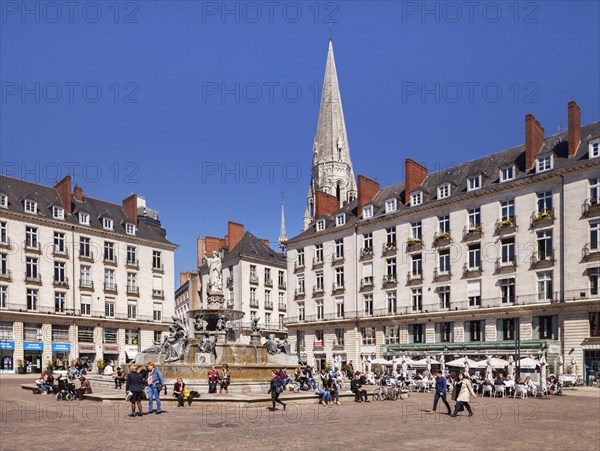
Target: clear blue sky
x=154, y=83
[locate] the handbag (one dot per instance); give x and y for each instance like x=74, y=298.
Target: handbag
x=279, y=388
x=158, y=386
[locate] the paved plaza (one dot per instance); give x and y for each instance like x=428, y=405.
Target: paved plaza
x=31, y=421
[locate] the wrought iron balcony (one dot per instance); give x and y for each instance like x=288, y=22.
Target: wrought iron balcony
x=253, y=279
x=591, y=207
x=132, y=264
x=414, y=278
x=86, y=284
x=62, y=282
x=506, y=266
x=366, y=253
x=542, y=218
x=414, y=245
x=6, y=276
x=542, y=259
x=37, y=279
x=110, y=287
x=506, y=226
x=32, y=246
x=591, y=252
x=60, y=253
x=389, y=280
x=441, y=239
x=472, y=233
x=440, y=275
x=472, y=271
x=388, y=248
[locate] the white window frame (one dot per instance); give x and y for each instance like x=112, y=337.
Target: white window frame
x=320, y=226
x=443, y=191
x=58, y=212
x=3, y=201
x=416, y=198
x=130, y=228
x=107, y=224
x=84, y=218
x=594, y=189
x=391, y=205
x=594, y=149
x=368, y=212
x=544, y=163
x=340, y=220
x=474, y=183
x=30, y=206
x=507, y=173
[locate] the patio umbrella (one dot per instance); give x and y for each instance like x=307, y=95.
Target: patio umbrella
x=462, y=362
x=492, y=363
x=543, y=372
x=560, y=364
x=528, y=363
x=422, y=363
x=381, y=361
x=489, y=369
x=511, y=362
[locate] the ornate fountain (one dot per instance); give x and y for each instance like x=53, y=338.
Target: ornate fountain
x=190, y=354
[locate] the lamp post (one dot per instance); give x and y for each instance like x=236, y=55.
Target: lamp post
x=517, y=348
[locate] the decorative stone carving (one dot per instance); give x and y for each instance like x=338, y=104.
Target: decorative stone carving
x=215, y=279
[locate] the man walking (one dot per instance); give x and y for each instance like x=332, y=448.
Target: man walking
x=441, y=388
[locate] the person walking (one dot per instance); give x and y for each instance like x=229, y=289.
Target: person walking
x=275, y=389
x=441, y=388
x=155, y=384
x=134, y=386
x=462, y=393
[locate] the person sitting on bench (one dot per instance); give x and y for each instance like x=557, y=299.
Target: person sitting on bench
x=356, y=388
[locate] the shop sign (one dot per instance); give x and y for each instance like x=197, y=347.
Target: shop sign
x=33, y=346
x=61, y=347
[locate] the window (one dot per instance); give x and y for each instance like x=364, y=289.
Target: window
x=507, y=210
x=320, y=225
x=545, y=285
x=444, y=224
x=443, y=191
x=593, y=275
x=300, y=311
x=544, y=163
x=390, y=205
x=109, y=280
x=300, y=343
x=544, y=245
x=417, y=265
x=390, y=235
x=156, y=260
x=545, y=327
x=131, y=255
x=444, y=297
x=3, y=233
x=594, y=324
x=30, y=206
x=85, y=276
x=268, y=320
x=507, y=290
x=595, y=235
x=368, y=304
x=416, y=295
x=3, y=201
x=253, y=272
x=475, y=257
x=475, y=330
x=391, y=302
x=368, y=242
x=110, y=335
x=339, y=277
x=507, y=174
x=281, y=279
x=444, y=261
x=107, y=223
x=340, y=220
x=129, y=228
x=58, y=212
x=84, y=247
x=339, y=307
x=474, y=293
x=59, y=273
x=474, y=183
x=280, y=299
x=416, y=199
x=31, y=268
x=339, y=337
x=59, y=242
x=416, y=333
x=300, y=257
x=3, y=296
x=85, y=334
x=59, y=302
x=319, y=281
x=268, y=272
x=444, y=332
x=268, y=299
x=86, y=305
x=508, y=251
x=300, y=284
x=474, y=218
x=32, y=299
x=594, y=185
x=339, y=249
x=157, y=312
x=390, y=268
x=391, y=335
x=109, y=251
x=368, y=335
x=506, y=328
x=594, y=151
x=132, y=282
x=132, y=336
x=84, y=218
x=131, y=310
x=3, y=265
x=416, y=230
x=544, y=201
x=60, y=334
x=254, y=302
x=318, y=253
x=109, y=309
x=368, y=212
x=31, y=237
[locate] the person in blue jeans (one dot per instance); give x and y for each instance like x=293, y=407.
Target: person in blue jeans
x=441, y=389
x=155, y=383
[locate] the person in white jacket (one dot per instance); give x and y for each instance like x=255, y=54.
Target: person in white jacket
x=463, y=390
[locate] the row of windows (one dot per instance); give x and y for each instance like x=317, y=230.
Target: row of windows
x=267, y=278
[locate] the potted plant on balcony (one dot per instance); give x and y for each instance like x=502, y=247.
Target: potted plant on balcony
x=474, y=228
x=20, y=367
x=506, y=222
x=413, y=241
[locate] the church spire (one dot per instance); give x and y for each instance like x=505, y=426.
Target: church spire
x=332, y=170
x=282, y=234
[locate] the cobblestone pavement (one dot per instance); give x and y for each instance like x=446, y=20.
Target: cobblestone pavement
x=31, y=421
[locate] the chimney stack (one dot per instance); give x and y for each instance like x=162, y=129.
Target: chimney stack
x=130, y=208
x=235, y=232
x=415, y=175
x=574, y=135
x=367, y=190
x=200, y=250
x=325, y=204
x=534, y=140
x=63, y=188
x=78, y=193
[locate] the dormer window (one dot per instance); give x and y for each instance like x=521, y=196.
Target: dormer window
x=368, y=212
x=107, y=223
x=3, y=201
x=544, y=163
x=594, y=151
x=474, y=183
x=30, y=206
x=390, y=205
x=416, y=199
x=340, y=220
x=320, y=225
x=58, y=212
x=507, y=174
x=443, y=191
x=130, y=228
x=84, y=218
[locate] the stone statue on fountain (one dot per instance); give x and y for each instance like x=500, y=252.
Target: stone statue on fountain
x=215, y=279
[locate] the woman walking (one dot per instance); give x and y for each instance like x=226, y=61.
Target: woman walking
x=134, y=384
x=462, y=394
x=275, y=389
x=225, y=380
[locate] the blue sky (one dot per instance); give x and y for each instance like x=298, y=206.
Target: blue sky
x=209, y=111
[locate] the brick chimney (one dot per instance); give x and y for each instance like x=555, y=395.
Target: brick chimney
x=534, y=140
x=415, y=175
x=130, y=208
x=63, y=188
x=78, y=193
x=325, y=204
x=367, y=190
x=213, y=244
x=574, y=136
x=200, y=250
x=265, y=242
x=184, y=276
x=235, y=232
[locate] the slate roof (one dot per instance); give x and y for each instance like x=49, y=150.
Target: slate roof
x=488, y=167
x=17, y=190
x=252, y=247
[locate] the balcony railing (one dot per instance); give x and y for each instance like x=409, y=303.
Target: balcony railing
x=268, y=282
x=281, y=284
x=158, y=268
x=542, y=259
x=506, y=266
x=474, y=232
x=110, y=287
x=366, y=283
x=442, y=239
x=337, y=287
x=542, y=218
x=32, y=246
x=253, y=279
x=37, y=279
x=110, y=260
x=414, y=278
x=133, y=290
x=282, y=306
x=254, y=303
x=5, y=243
x=318, y=291
x=299, y=293
x=158, y=294
x=317, y=263
x=87, y=257
x=591, y=207
x=298, y=266
x=389, y=279
x=441, y=274
x=62, y=282
x=414, y=245
x=86, y=284
x=591, y=252
x=366, y=253
x=337, y=260
x=60, y=253
x=269, y=305
x=472, y=271
x=506, y=226
x=388, y=248
x=132, y=264
x=6, y=276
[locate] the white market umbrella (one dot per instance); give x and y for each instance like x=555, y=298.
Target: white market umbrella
x=463, y=362
x=381, y=361
x=422, y=363
x=492, y=363
x=528, y=363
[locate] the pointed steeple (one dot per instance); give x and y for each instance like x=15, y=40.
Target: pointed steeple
x=282, y=234
x=332, y=170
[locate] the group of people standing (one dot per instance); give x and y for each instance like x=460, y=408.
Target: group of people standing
x=140, y=377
